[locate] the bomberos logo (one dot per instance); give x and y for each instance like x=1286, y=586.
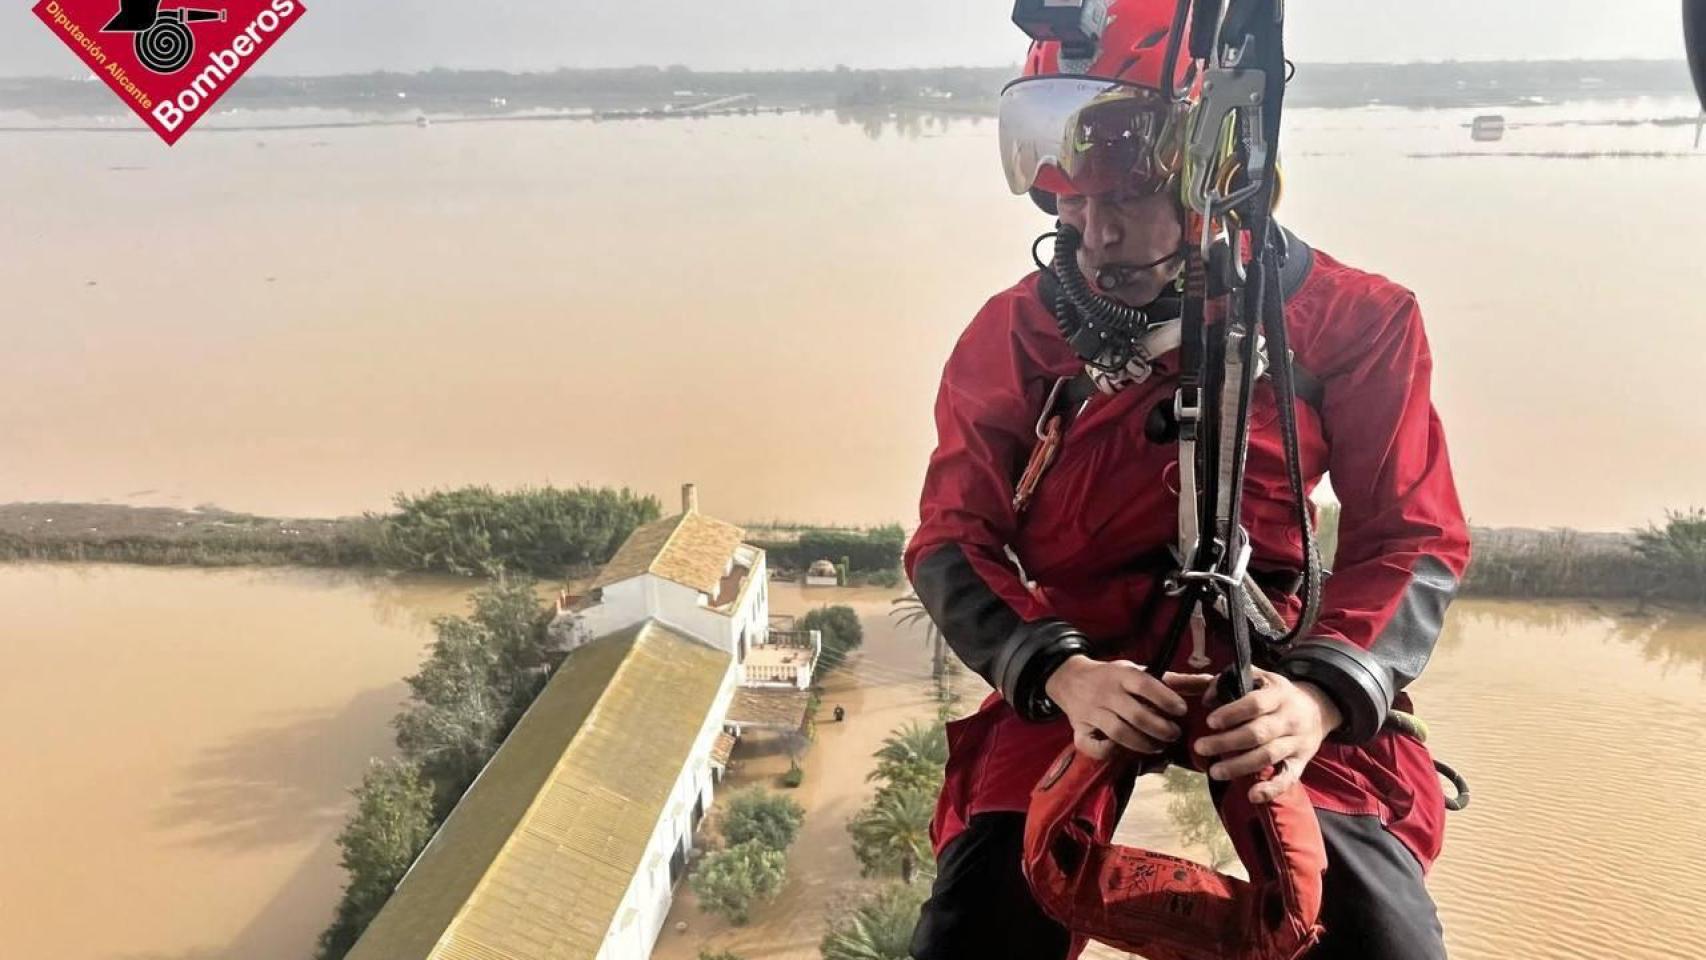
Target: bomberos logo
x=170, y=64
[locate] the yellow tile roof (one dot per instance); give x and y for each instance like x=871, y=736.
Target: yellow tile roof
x=690, y=549
x=777, y=708
x=535, y=859
x=724, y=746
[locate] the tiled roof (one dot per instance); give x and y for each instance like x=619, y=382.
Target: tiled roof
x=690, y=549
x=721, y=750
x=536, y=858
x=777, y=709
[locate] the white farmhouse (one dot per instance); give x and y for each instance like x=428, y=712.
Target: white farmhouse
x=693, y=573
x=570, y=843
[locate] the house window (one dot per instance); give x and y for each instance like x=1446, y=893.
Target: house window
x=677, y=863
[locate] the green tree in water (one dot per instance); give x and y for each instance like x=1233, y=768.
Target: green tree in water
x=729, y=882
x=878, y=929
x=1675, y=556
x=479, y=678
x=456, y=720
x=482, y=672
x=914, y=753
x=1192, y=811
x=766, y=818
x=391, y=824
x=892, y=836
x=514, y=624
x=840, y=632
x=476, y=531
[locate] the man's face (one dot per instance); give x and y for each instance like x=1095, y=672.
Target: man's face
x=1126, y=229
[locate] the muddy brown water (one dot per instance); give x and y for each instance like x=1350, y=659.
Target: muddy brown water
x=767, y=301
x=180, y=744
x=302, y=323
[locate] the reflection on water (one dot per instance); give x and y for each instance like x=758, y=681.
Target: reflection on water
x=182, y=745
x=1663, y=640
x=766, y=300
x=1579, y=730
x=875, y=122
x=1670, y=639
x=271, y=784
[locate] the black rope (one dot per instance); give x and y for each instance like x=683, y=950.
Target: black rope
x=1458, y=784
x=1279, y=361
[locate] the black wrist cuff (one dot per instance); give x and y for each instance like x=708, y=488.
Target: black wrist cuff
x=1357, y=684
x=1030, y=658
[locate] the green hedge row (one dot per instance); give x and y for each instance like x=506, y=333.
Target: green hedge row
x=868, y=551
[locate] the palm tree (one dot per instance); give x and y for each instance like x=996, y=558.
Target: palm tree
x=879, y=929
x=910, y=610
x=892, y=835
x=912, y=753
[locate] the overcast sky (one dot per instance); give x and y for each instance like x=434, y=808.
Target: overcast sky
x=355, y=36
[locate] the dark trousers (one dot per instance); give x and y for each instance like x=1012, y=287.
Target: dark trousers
x=1374, y=903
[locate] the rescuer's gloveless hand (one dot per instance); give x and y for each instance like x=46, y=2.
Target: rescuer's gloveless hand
x=1113, y=703
x=1279, y=724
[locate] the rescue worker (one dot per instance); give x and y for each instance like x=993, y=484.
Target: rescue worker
x=1057, y=601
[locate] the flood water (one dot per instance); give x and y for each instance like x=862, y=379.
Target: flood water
x=1578, y=729
x=181, y=743
x=179, y=748
x=306, y=322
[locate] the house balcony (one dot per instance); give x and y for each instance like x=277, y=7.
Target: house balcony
x=784, y=658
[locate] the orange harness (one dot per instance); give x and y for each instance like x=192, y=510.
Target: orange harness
x=1162, y=907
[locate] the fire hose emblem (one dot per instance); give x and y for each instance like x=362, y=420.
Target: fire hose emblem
x=169, y=61
x=163, y=40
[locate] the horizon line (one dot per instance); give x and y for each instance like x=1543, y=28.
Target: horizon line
x=833, y=68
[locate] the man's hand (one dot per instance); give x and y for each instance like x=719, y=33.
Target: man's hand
x=1115, y=703
x=1280, y=723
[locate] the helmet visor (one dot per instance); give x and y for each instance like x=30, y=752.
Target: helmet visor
x=1085, y=134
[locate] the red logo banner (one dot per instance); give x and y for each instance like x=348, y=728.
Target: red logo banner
x=170, y=64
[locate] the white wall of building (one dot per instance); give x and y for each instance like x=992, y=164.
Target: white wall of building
x=627, y=602
x=645, y=906
x=684, y=608
x=753, y=613
x=624, y=605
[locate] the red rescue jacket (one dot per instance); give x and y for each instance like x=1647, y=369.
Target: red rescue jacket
x=1109, y=505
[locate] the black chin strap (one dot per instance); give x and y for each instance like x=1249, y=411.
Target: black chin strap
x=1104, y=332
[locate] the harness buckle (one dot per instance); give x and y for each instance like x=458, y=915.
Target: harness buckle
x=1184, y=409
